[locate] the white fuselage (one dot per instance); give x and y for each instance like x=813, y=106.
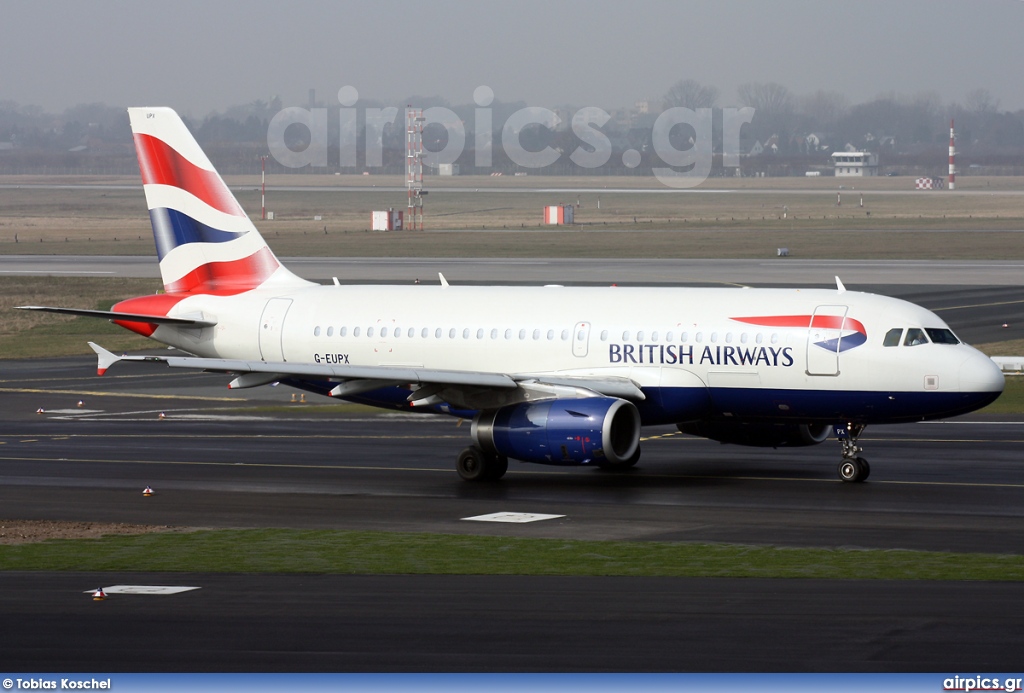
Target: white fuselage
x=660, y=338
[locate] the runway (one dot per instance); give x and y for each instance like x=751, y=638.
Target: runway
x=252, y=459
x=223, y=459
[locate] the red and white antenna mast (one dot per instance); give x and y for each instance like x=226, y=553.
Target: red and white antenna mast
x=414, y=167
x=952, y=157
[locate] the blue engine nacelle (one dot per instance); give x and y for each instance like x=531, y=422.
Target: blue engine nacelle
x=562, y=431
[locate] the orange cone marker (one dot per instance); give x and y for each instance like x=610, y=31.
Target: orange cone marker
x=99, y=595
x=147, y=491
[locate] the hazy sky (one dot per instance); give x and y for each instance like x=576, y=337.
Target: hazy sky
x=199, y=56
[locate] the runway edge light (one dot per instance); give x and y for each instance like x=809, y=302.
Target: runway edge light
x=147, y=491
x=99, y=595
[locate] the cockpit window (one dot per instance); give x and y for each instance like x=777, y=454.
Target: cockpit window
x=915, y=337
x=941, y=335
x=892, y=337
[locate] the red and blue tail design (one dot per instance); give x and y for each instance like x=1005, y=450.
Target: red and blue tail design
x=852, y=332
x=205, y=241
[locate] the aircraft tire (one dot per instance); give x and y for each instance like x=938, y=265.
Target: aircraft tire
x=474, y=464
x=854, y=470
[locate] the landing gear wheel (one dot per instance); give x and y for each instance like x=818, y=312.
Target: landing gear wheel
x=854, y=469
x=474, y=464
x=622, y=465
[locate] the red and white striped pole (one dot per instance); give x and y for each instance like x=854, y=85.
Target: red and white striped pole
x=263, y=188
x=952, y=157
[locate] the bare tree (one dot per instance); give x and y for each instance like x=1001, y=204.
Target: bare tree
x=981, y=101
x=771, y=98
x=690, y=93
x=824, y=108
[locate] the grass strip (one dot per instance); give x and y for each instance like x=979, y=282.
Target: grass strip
x=376, y=553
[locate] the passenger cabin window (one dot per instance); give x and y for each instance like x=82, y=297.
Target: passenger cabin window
x=892, y=337
x=915, y=337
x=941, y=336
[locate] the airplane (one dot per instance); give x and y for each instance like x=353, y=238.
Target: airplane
x=554, y=375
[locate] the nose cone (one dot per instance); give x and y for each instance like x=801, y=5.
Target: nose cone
x=980, y=376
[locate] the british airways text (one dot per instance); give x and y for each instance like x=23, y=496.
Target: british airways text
x=686, y=355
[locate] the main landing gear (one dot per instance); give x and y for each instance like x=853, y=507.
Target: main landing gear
x=852, y=468
x=474, y=464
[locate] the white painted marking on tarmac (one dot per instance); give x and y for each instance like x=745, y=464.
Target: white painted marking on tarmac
x=73, y=411
x=144, y=589
x=517, y=518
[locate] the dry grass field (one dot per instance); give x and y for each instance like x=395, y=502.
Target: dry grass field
x=501, y=217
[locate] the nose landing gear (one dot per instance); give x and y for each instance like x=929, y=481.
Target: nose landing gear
x=852, y=468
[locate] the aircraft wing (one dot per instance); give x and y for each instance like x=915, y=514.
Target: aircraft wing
x=125, y=317
x=356, y=379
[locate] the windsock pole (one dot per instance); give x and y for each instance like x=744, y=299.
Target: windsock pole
x=952, y=157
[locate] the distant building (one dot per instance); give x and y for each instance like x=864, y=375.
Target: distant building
x=859, y=164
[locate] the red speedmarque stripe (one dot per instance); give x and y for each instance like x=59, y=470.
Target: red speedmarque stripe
x=160, y=164
x=226, y=278
x=827, y=322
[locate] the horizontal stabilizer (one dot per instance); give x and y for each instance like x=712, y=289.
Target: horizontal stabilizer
x=125, y=317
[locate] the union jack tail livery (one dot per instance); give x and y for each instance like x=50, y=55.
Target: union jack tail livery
x=205, y=241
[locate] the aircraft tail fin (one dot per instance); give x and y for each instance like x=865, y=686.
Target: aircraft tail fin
x=204, y=240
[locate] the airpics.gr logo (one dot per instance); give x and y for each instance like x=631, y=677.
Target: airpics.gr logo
x=839, y=333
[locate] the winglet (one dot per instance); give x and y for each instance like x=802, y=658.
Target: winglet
x=106, y=359
x=839, y=285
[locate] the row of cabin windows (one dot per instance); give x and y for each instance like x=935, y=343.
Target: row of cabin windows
x=916, y=336
x=537, y=334
x=397, y=333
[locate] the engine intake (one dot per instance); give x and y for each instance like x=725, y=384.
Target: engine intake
x=562, y=431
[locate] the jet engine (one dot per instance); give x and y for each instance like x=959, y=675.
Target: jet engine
x=591, y=430
x=758, y=434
